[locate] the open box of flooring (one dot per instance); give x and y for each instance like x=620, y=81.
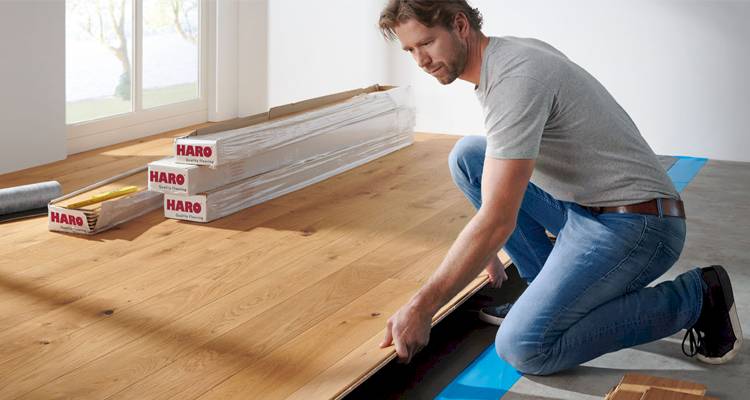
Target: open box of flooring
x=236, y=164
x=72, y=213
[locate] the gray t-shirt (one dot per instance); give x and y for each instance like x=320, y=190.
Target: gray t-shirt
x=540, y=105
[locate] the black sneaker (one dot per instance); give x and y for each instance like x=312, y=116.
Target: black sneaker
x=496, y=314
x=717, y=336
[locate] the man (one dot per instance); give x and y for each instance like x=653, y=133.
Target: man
x=562, y=156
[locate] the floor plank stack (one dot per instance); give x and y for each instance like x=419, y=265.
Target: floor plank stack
x=217, y=173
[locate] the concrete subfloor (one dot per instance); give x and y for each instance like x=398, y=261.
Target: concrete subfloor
x=718, y=207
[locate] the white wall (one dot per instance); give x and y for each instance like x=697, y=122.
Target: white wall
x=681, y=68
x=32, y=83
x=252, y=80
x=237, y=46
x=678, y=66
x=323, y=46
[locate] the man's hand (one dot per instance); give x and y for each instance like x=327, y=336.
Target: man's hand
x=496, y=272
x=409, y=330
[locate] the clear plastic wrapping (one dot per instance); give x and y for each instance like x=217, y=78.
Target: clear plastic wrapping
x=264, y=157
x=234, y=197
x=219, y=148
x=169, y=176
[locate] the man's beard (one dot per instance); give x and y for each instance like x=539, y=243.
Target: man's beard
x=455, y=67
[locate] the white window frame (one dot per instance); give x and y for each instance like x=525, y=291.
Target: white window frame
x=140, y=122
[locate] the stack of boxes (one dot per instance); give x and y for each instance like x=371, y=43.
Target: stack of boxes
x=236, y=164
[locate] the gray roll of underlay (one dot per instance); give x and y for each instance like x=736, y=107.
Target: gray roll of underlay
x=28, y=197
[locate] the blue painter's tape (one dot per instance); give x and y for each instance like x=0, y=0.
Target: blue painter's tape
x=487, y=378
x=684, y=170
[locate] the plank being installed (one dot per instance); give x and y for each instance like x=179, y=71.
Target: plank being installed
x=287, y=299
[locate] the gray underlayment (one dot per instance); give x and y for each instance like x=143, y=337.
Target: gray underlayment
x=717, y=203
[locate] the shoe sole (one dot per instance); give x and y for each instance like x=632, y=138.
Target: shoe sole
x=490, y=319
x=734, y=318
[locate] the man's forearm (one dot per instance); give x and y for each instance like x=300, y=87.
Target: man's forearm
x=480, y=240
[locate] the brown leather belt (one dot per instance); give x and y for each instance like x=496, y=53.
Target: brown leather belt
x=661, y=207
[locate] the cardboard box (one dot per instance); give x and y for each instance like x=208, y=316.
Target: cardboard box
x=101, y=216
x=239, y=139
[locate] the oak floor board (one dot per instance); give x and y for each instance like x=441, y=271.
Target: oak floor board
x=281, y=372
x=18, y=235
x=47, y=246
x=128, y=292
x=158, y=308
x=205, y=367
x=422, y=248
x=82, y=284
x=362, y=362
x=68, y=299
x=41, y=358
x=100, y=262
x=237, y=305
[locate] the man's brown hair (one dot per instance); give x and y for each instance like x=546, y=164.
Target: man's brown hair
x=427, y=12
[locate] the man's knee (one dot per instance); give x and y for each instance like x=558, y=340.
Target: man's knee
x=512, y=348
x=527, y=357
x=466, y=149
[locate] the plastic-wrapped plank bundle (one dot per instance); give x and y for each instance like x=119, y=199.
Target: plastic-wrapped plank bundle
x=171, y=177
x=286, y=125
x=286, y=155
x=228, y=199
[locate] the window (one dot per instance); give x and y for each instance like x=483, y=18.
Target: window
x=129, y=62
x=170, y=51
x=98, y=53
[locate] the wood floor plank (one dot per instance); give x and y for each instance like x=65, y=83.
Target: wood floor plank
x=82, y=346
x=49, y=298
x=96, y=277
x=58, y=246
x=41, y=357
x=362, y=362
x=204, y=368
x=421, y=248
x=138, y=313
x=284, y=370
x=62, y=321
x=230, y=307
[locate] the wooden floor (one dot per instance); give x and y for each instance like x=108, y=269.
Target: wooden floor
x=285, y=299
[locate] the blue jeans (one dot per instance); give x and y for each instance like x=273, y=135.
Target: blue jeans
x=587, y=293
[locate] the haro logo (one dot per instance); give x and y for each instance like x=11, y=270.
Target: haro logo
x=184, y=206
x=66, y=219
x=193, y=150
x=166, y=177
